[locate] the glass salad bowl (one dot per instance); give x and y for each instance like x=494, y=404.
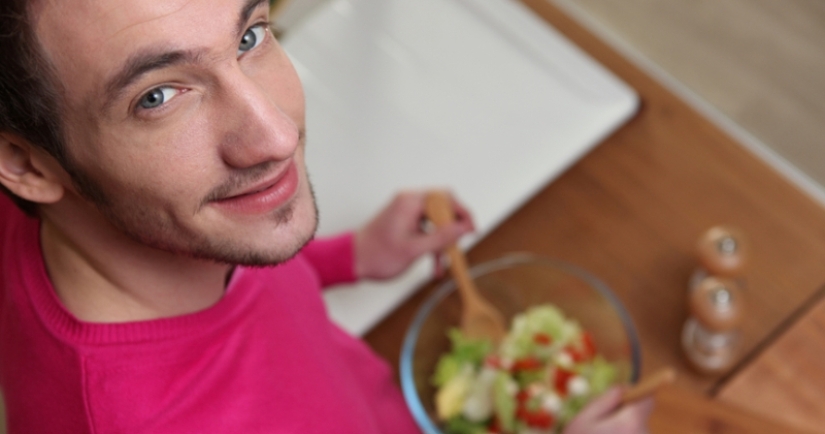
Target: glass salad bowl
x=513, y=284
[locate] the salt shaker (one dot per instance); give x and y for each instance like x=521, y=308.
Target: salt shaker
x=711, y=337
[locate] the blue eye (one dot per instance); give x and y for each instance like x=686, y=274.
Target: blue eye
x=157, y=97
x=252, y=38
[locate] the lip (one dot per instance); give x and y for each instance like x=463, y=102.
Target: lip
x=264, y=196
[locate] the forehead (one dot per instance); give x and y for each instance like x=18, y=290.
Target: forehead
x=87, y=40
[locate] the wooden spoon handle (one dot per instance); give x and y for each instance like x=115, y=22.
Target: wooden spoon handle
x=649, y=385
x=479, y=318
x=438, y=208
x=461, y=272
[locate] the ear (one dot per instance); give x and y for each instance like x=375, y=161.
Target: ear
x=28, y=171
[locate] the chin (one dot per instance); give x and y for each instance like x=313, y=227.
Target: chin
x=295, y=226
x=269, y=240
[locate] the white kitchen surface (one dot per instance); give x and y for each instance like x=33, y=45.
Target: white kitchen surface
x=479, y=96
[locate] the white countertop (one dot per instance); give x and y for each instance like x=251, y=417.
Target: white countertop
x=479, y=96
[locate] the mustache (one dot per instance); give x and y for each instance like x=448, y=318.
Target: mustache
x=237, y=180
x=242, y=177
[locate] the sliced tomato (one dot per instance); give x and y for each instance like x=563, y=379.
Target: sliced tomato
x=583, y=352
x=538, y=418
x=589, y=345
x=575, y=354
x=542, y=339
x=494, y=426
x=560, y=382
x=526, y=364
x=493, y=361
x=522, y=396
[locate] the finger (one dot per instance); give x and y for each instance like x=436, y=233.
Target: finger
x=602, y=405
x=642, y=408
x=465, y=218
x=439, y=239
x=425, y=226
x=408, y=206
x=631, y=419
x=462, y=214
x=438, y=266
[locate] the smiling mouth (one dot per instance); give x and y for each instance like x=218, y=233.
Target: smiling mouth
x=263, y=197
x=241, y=195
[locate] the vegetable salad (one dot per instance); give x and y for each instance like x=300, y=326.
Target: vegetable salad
x=543, y=372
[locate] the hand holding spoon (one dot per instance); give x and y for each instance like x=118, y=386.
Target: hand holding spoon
x=479, y=319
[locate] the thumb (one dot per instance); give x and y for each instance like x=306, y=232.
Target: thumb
x=440, y=238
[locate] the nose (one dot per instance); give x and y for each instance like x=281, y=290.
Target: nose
x=257, y=129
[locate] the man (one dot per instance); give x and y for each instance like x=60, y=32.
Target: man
x=158, y=147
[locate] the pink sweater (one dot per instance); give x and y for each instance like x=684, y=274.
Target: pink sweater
x=264, y=359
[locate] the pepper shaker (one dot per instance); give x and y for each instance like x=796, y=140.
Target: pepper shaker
x=711, y=337
x=722, y=251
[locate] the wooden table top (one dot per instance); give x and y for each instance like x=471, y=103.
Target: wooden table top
x=632, y=210
x=787, y=380
x=681, y=411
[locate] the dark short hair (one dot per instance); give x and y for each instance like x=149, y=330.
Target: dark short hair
x=30, y=96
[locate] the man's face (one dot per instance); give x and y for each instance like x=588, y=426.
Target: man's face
x=187, y=118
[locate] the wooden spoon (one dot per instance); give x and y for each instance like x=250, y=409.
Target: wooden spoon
x=479, y=319
x=649, y=385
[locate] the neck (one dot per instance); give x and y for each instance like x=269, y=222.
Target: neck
x=103, y=276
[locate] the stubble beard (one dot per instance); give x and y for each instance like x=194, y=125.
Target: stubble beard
x=150, y=229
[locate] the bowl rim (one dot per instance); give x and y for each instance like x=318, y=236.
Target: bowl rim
x=444, y=289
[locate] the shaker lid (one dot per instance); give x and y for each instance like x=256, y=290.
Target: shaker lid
x=717, y=303
x=723, y=251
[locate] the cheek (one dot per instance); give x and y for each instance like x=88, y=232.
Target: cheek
x=293, y=97
x=176, y=167
x=183, y=163
x=280, y=81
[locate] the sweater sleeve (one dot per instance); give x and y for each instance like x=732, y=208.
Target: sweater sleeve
x=333, y=258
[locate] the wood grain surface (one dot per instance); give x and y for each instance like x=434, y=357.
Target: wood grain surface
x=632, y=210
x=787, y=380
x=679, y=411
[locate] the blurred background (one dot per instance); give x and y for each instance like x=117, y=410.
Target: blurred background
x=757, y=63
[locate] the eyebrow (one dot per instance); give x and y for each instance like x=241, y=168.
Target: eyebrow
x=153, y=59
